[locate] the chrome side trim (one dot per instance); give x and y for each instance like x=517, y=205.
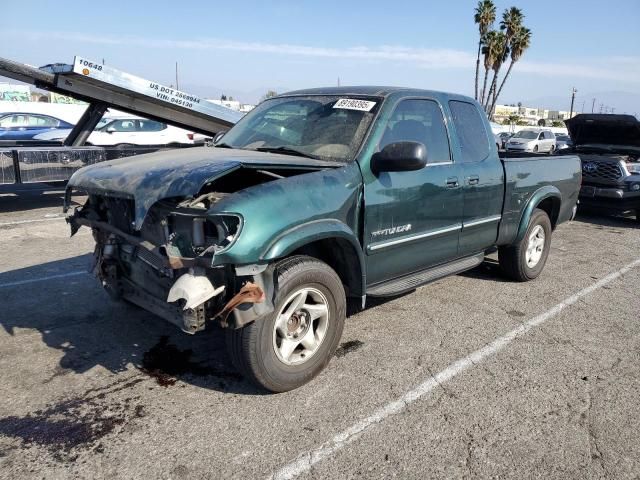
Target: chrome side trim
x=411, y=238
x=482, y=221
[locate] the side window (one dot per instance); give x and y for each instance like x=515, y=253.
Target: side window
x=42, y=121
x=150, y=126
x=14, y=121
x=419, y=121
x=550, y=135
x=471, y=131
x=123, y=126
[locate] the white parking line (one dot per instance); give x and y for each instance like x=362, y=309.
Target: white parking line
x=35, y=220
x=43, y=279
x=305, y=461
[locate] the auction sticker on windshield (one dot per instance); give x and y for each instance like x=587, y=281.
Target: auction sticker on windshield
x=353, y=104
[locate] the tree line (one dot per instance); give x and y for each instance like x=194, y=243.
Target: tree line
x=496, y=47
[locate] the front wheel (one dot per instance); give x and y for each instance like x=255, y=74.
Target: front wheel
x=525, y=260
x=292, y=345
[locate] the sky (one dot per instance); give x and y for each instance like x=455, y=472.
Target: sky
x=245, y=48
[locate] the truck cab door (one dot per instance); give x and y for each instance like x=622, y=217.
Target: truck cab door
x=413, y=218
x=483, y=179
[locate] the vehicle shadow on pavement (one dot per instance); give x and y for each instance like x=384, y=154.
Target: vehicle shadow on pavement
x=587, y=216
x=76, y=317
x=488, y=270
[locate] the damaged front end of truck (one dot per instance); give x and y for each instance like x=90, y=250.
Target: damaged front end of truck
x=166, y=267
x=159, y=230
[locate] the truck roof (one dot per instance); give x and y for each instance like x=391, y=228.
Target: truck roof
x=373, y=90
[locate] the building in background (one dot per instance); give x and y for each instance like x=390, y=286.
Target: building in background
x=10, y=92
x=523, y=115
x=233, y=105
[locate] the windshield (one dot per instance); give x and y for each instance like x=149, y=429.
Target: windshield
x=529, y=134
x=325, y=127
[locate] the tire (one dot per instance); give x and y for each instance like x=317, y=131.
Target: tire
x=535, y=149
x=258, y=350
x=516, y=262
x=552, y=150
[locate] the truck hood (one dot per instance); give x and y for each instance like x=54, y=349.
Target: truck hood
x=175, y=173
x=604, y=129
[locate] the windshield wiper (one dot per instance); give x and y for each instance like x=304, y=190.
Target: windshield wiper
x=286, y=151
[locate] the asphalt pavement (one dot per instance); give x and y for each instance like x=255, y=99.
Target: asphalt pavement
x=473, y=376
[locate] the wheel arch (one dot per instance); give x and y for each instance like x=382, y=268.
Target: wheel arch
x=548, y=199
x=329, y=241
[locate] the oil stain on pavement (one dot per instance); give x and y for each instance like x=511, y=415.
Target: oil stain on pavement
x=80, y=422
x=348, y=347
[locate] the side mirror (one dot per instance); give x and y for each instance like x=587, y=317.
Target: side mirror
x=218, y=137
x=111, y=129
x=400, y=157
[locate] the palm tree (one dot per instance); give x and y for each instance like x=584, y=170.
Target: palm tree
x=485, y=16
x=500, y=47
x=519, y=43
x=491, y=50
x=510, y=24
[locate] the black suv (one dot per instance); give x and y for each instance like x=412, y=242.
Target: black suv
x=609, y=148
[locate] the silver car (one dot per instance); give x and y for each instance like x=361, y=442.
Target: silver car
x=532, y=140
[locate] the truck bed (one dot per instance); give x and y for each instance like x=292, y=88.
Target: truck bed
x=528, y=175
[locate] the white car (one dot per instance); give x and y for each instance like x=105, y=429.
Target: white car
x=125, y=131
x=532, y=140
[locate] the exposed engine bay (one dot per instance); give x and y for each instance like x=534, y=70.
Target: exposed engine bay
x=166, y=266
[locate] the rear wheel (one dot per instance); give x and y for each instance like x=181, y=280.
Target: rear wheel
x=293, y=344
x=525, y=260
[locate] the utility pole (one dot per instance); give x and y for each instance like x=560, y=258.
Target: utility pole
x=583, y=106
x=613, y=110
x=601, y=105
x=177, y=87
x=593, y=105
x=573, y=97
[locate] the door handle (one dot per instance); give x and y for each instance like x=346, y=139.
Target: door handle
x=452, y=182
x=473, y=180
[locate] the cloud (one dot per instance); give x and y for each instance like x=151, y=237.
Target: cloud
x=620, y=69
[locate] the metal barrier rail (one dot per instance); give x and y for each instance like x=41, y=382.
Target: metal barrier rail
x=21, y=165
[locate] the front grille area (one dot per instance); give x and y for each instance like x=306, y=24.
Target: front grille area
x=120, y=212
x=601, y=171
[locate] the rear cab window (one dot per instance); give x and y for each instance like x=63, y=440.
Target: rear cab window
x=472, y=134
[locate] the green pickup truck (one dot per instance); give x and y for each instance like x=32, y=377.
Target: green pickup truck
x=316, y=198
